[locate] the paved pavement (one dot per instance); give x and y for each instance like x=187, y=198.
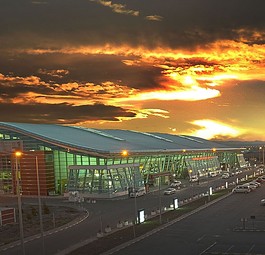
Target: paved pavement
x=99, y=214
x=234, y=225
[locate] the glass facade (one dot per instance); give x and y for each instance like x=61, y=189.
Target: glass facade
x=111, y=174
x=5, y=174
x=104, y=179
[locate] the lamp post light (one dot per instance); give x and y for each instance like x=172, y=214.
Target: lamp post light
x=159, y=196
x=135, y=203
x=39, y=202
x=207, y=166
x=208, y=175
x=209, y=156
x=18, y=191
x=125, y=153
x=261, y=154
x=190, y=173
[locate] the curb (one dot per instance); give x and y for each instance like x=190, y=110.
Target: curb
x=46, y=233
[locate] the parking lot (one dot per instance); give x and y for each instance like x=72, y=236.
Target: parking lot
x=235, y=225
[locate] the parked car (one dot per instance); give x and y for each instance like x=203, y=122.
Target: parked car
x=170, y=191
x=261, y=179
x=212, y=174
x=241, y=189
x=194, y=178
x=175, y=184
x=225, y=175
x=252, y=186
x=137, y=192
x=237, y=172
x=258, y=184
x=262, y=201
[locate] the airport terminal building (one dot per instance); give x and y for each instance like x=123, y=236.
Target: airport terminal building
x=102, y=163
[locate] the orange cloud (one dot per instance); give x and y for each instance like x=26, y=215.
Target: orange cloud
x=222, y=60
x=30, y=80
x=188, y=76
x=154, y=18
x=54, y=73
x=118, y=8
x=184, y=75
x=144, y=113
x=192, y=93
x=210, y=129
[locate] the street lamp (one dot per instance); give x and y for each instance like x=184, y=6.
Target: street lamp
x=208, y=174
x=159, y=196
x=125, y=153
x=18, y=191
x=135, y=202
x=18, y=155
x=263, y=155
x=261, y=149
x=39, y=202
x=209, y=166
x=190, y=173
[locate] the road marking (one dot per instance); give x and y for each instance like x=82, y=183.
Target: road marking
x=122, y=246
x=230, y=248
x=200, y=238
x=251, y=248
x=208, y=248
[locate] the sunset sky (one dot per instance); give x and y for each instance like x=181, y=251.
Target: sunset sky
x=190, y=67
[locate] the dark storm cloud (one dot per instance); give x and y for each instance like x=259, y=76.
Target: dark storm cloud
x=61, y=113
x=77, y=22
x=7, y=93
x=81, y=68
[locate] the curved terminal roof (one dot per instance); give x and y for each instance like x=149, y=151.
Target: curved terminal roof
x=110, y=141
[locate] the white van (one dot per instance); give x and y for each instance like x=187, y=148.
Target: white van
x=241, y=189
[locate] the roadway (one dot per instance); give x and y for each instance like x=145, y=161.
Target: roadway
x=235, y=225
x=109, y=212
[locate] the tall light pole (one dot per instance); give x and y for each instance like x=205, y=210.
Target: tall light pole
x=213, y=150
x=135, y=202
x=159, y=195
x=263, y=155
x=208, y=175
x=17, y=178
x=261, y=149
x=39, y=202
x=125, y=153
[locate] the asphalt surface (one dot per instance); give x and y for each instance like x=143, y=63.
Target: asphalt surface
x=108, y=212
x=234, y=225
